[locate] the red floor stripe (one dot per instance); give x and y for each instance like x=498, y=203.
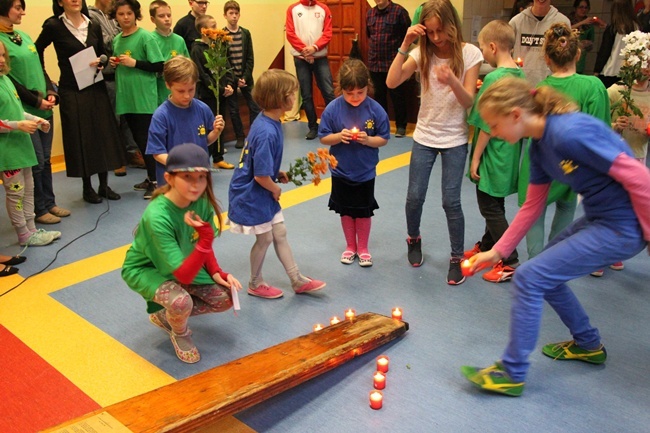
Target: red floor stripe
x=34, y=395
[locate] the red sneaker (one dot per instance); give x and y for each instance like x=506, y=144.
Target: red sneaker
x=309, y=286
x=618, y=266
x=264, y=291
x=474, y=251
x=499, y=273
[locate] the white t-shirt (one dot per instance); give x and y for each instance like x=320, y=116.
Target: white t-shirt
x=441, y=120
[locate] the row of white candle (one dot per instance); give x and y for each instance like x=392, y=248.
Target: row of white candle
x=350, y=314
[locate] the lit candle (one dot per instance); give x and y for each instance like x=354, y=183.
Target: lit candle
x=465, y=268
x=317, y=327
x=379, y=380
x=647, y=129
x=376, y=399
x=334, y=320
x=382, y=364
x=397, y=314
x=355, y=133
x=519, y=62
x=350, y=313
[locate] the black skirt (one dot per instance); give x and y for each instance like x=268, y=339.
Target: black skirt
x=91, y=139
x=353, y=199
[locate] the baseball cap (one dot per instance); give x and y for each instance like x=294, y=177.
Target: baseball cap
x=188, y=157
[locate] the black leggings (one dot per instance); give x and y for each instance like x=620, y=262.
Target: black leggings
x=139, y=126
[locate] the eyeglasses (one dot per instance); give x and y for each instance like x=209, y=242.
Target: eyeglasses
x=16, y=39
x=202, y=3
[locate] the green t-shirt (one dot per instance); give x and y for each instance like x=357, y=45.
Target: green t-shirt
x=499, y=167
x=16, y=149
x=170, y=46
x=162, y=242
x=26, y=68
x=591, y=96
x=136, y=90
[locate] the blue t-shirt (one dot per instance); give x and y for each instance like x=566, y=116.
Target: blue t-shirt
x=578, y=149
x=249, y=203
x=172, y=125
x=356, y=162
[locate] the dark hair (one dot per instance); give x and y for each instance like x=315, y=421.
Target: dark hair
x=519, y=6
x=576, y=3
x=353, y=74
x=623, y=17
x=561, y=44
x=133, y=4
x=57, y=9
x=6, y=5
x=232, y=4
x=153, y=7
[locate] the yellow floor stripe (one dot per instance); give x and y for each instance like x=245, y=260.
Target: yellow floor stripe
x=99, y=365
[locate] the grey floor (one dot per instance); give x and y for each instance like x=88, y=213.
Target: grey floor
x=449, y=325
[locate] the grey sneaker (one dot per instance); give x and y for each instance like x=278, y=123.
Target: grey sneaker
x=400, y=132
x=37, y=239
x=312, y=134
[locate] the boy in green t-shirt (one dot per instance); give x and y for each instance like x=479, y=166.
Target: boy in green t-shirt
x=170, y=44
x=494, y=165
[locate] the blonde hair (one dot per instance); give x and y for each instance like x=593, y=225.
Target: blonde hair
x=180, y=69
x=203, y=22
x=208, y=193
x=273, y=88
x=451, y=24
x=509, y=92
x=561, y=44
x=499, y=33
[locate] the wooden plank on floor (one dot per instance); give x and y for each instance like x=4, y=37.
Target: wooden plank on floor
x=201, y=400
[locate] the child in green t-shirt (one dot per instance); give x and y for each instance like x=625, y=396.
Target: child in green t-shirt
x=494, y=163
x=170, y=44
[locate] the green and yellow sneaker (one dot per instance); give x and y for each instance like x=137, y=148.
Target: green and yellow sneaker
x=493, y=379
x=568, y=350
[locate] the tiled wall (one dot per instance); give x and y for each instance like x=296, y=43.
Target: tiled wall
x=489, y=10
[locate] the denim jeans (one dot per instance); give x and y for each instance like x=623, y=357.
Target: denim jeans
x=42, y=172
x=233, y=107
x=453, y=167
x=320, y=69
x=564, y=214
x=583, y=247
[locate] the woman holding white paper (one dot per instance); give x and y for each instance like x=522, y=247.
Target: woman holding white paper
x=91, y=142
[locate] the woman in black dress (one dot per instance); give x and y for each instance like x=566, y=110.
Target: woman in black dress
x=91, y=141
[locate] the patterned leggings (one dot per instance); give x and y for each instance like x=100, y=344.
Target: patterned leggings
x=182, y=301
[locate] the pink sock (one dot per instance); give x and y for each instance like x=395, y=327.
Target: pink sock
x=350, y=233
x=363, y=234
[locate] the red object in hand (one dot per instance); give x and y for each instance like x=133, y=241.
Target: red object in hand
x=355, y=133
x=466, y=266
x=519, y=62
x=647, y=130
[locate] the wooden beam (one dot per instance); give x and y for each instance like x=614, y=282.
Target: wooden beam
x=200, y=400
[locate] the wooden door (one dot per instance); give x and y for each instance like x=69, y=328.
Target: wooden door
x=348, y=23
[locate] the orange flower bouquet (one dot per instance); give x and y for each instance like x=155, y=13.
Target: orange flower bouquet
x=314, y=164
x=216, y=57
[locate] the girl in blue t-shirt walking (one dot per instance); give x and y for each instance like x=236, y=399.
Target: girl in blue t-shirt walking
x=356, y=127
x=616, y=225
x=254, y=195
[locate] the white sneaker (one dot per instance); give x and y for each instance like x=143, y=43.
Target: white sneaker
x=55, y=233
x=38, y=239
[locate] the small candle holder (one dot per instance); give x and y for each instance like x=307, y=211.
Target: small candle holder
x=382, y=363
x=350, y=314
x=376, y=399
x=396, y=314
x=355, y=133
x=465, y=268
x=334, y=320
x=519, y=62
x=317, y=327
x=379, y=380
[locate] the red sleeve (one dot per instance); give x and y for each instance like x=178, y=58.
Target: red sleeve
x=635, y=178
x=326, y=37
x=290, y=29
x=212, y=266
x=529, y=213
x=191, y=266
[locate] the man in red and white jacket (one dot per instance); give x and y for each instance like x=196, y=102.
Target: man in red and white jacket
x=309, y=31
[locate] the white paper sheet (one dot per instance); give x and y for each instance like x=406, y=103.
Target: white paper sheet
x=85, y=74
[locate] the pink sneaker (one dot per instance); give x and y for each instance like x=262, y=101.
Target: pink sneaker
x=264, y=291
x=310, y=286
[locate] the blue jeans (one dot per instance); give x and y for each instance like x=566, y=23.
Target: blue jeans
x=583, y=247
x=453, y=168
x=320, y=69
x=44, y=199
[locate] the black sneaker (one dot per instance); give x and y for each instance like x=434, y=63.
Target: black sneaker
x=455, y=275
x=415, y=251
x=150, y=189
x=313, y=133
x=142, y=186
x=240, y=143
x=400, y=132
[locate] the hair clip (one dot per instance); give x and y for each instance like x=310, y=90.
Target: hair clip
x=559, y=31
x=533, y=92
x=16, y=39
